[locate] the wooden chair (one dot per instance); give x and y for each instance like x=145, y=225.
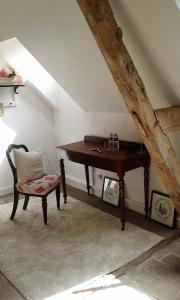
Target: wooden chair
x=48, y=182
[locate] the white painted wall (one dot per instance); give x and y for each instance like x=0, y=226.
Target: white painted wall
x=32, y=124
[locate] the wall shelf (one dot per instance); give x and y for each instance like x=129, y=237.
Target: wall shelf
x=14, y=86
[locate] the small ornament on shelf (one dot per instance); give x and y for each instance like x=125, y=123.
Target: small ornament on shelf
x=8, y=76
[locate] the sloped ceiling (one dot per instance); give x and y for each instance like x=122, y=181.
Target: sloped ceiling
x=56, y=34
x=151, y=33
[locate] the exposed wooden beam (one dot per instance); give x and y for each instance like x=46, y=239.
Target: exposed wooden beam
x=108, y=35
x=169, y=118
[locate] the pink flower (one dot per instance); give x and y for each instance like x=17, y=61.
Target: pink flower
x=18, y=80
x=4, y=72
x=29, y=182
x=50, y=178
x=21, y=188
x=40, y=190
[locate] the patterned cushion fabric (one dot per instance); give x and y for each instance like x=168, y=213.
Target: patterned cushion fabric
x=39, y=186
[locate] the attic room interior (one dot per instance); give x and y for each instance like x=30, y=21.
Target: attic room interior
x=90, y=150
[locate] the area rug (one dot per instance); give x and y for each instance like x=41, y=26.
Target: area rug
x=79, y=243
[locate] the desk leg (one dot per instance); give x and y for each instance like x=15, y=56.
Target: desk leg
x=87, y=179
x=122, y=200
x=63, y=179
x=146, y=191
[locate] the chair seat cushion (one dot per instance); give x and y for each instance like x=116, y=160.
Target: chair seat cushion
x=40, y=186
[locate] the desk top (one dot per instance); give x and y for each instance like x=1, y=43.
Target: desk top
x=125, y=159
x=86, y=148
x=128, y=151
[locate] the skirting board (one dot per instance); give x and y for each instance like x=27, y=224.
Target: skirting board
x=131, y=204
x=5, y=191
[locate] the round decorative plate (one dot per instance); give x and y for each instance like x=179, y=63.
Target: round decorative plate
x=163, y=208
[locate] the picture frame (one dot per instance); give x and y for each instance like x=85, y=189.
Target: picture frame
x=110, y=190
x=162, y=209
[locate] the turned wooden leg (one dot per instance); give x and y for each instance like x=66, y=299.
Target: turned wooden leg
x=44, y=208
x=146, y=191
x=16, y=198
x=26, y=202
x=122, y=200
x=87, y=179
x=63, y=179
x=58, y=196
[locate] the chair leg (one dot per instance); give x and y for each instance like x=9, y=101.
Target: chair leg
x=44, y=208
x=26, y=202
x=58, y=191
x=16, y=198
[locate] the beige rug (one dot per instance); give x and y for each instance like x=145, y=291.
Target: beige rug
x=79, y=243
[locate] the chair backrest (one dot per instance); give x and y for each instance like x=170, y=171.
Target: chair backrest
x=8, y=153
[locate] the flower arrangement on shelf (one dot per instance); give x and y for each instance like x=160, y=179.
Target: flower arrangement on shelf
x=8, y=74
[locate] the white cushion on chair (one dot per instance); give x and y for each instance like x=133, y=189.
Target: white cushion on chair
x=39, y=186
x=29, y=165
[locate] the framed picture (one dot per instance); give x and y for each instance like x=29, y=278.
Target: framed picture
x=162, y=209
x=110, y=191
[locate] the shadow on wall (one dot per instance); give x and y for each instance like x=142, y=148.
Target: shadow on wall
x=7, y=137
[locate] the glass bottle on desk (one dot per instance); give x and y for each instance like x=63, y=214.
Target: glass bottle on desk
x=116, y=142
x=111, y=142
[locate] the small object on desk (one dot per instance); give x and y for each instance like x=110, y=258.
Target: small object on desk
x=111, y=141
x=116, y=142
x=96, y=149
x=141, y=149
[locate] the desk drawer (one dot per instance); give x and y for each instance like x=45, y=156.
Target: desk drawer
x=92, y=161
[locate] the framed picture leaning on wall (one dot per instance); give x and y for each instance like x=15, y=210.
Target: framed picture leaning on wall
x=162, y=209
x=110, y=191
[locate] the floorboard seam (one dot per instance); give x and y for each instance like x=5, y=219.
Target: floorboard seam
x=144, y=256
x=14, y=287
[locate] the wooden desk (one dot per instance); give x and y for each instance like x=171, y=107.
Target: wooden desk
x=125, y=159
